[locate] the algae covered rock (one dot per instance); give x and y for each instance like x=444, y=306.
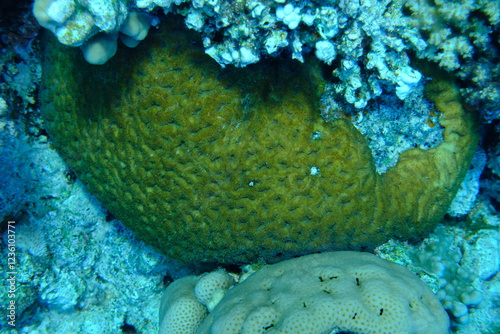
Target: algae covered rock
x=221, y=165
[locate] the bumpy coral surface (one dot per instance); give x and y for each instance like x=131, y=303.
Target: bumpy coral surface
x=225, y=165
x=333, y=292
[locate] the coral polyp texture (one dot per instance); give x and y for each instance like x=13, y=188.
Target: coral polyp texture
x=214, y=165
x=333, y=292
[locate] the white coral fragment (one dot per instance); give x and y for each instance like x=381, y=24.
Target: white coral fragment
x=408, y=78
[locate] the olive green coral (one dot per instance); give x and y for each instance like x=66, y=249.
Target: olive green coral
x=213, y=165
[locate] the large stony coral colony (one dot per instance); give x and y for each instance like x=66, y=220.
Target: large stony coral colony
x=221, y=165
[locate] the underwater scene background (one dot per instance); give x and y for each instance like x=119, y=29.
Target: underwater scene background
x=198, y=142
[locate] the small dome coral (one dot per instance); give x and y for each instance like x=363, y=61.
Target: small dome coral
x=214, y=165
x=321, y=293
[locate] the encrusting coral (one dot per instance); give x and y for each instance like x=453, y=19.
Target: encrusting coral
x=214, y=165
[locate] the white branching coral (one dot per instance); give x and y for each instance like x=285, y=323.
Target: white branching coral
x=461, y=38
x=366, y=42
